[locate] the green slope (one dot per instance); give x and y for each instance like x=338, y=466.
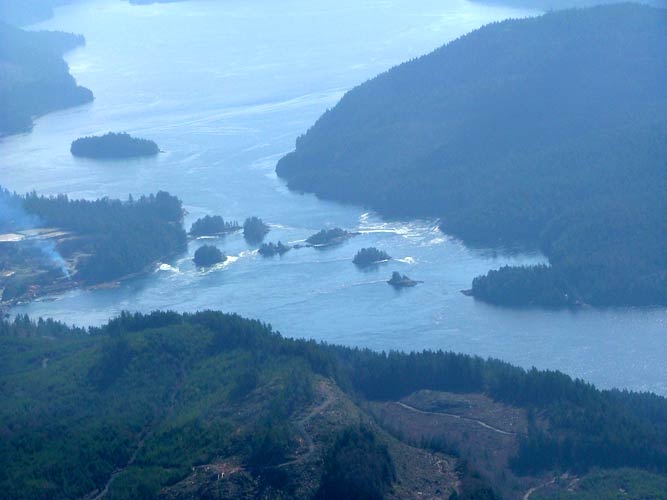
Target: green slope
x=168, y=404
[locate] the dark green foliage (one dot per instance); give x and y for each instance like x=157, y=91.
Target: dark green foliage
x=124, y=236
x=197, y=387
x=113, y=145
x=208, y=255
x=244, y=383
x=254, y=229
x=357, y=467
x=370, y=256
x=521, y=286
x=587, y=427
x=115, y=357
x=268, y=444
x=271, y=249
x=547, y=132
x=329, y=237
x=472, y=486
x=63, y=435
x=35, y=79
x=399, y=280
x=212, y=226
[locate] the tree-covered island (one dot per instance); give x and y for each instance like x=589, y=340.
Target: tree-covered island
x=271, y=249
x=399, y=280
x=208, y=255
x=328, y=237
x=212, y=225
x=367, y=257
x=254, y=229
x=113, y=146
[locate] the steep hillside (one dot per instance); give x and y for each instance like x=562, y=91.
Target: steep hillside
x=210, y=405
x=547, y=132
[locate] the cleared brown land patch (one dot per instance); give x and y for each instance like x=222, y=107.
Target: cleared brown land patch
x=474, y=427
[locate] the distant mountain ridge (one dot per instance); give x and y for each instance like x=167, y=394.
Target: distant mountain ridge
x=547, y=5
x=546, y=132
x=34, y=78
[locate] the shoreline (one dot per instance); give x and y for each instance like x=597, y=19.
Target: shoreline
x=52, y=291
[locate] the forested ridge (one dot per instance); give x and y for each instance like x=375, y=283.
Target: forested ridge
x=546, y=132
x=34, y=78
x=211, y=385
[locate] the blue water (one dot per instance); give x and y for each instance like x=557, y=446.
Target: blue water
x=225, y=88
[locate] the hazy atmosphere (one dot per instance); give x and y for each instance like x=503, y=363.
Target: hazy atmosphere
x=457, y=180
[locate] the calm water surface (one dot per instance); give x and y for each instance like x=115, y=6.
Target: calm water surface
x=225, y=88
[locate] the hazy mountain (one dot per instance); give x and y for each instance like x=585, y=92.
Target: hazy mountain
x=34, y=78
x=547, y=5
x=546, y=132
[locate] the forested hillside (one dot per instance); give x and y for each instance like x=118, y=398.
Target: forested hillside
x=213, y=405
x=547, y=132
x=34, y=78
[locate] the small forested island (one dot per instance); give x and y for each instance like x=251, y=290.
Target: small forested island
x=113, y=145
x=55, y=243
x=367, y=257
x=254, y=229
x=212, y=225
x=271, y=249
x=208, y=255
x=433, y=137
x=213, y=402
x=34, y=78
x=327, y=237
x=399, y=280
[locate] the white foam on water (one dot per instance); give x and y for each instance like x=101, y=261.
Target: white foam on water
x=407, y=260
x=220, y=266
x=370, y=223
x=436, y=241
x=167, y=268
